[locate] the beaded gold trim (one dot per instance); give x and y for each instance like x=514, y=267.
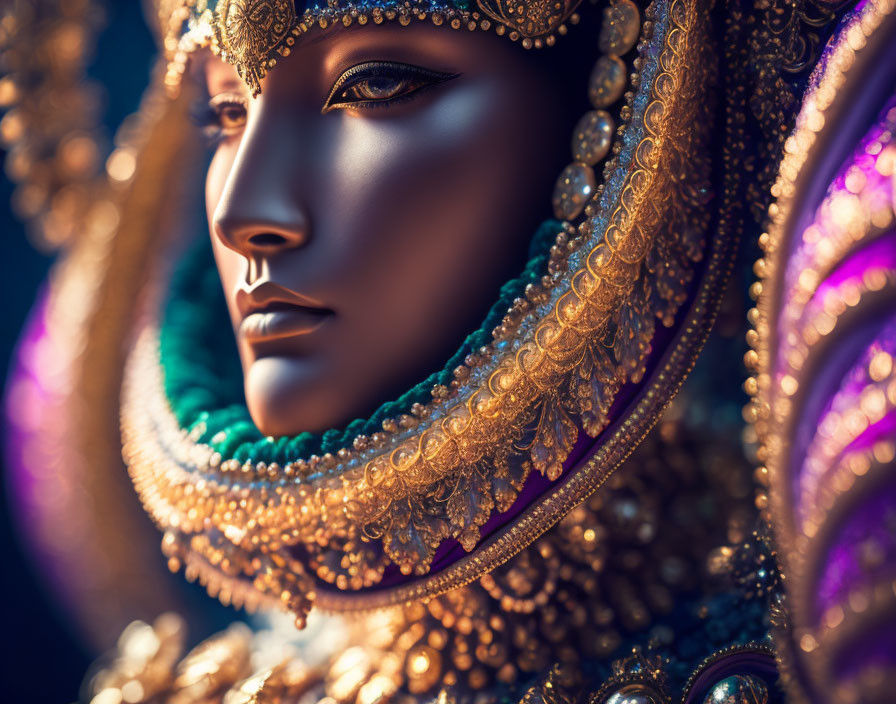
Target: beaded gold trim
x=254, y=34
x=556, y=365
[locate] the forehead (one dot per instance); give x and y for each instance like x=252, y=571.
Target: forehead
x=254, y=35
x=317, y=58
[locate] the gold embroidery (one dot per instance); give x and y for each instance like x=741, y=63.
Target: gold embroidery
x=531, y=18
x=611, y=568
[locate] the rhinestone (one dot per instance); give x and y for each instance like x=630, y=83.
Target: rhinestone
x=607, y=81
x=738, y=689
x=592, y=137
x=574, y=188
x=620, y=28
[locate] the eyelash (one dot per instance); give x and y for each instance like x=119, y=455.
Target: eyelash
x=411, y=81
x=209, y=116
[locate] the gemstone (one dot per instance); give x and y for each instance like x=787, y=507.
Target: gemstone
x=574, y=188
x=607, y=81
x=633, y=694
x=620, y=28
x=592, y=137
x=738, y=689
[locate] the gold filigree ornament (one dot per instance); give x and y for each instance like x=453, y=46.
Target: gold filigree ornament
x=577, y=356
x=251, y=34
x=530, y=18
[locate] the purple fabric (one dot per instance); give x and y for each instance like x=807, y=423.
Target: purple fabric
x=28, y=398
x=864, y=551
x=853, y=380
x=880, y=254
x=877, y=254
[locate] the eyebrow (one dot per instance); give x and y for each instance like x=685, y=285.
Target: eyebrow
x=320, y=35
x=314, y=36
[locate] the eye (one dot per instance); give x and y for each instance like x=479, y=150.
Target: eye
x=223, y=116
x=381, y=83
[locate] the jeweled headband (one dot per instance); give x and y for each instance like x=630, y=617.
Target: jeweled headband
x=254, y=34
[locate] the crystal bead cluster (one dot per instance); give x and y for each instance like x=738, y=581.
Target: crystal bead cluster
x=593, y=135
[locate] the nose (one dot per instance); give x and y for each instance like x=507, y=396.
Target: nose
x=259, y=213
x=265, y=232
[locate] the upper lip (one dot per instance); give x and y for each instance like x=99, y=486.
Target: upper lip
x=267, y=296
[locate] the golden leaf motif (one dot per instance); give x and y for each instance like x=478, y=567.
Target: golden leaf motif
x=554, y=438
x=469, y=508
x=595, y=388
x=412, y=536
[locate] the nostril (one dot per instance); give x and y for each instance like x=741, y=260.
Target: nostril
x=267, y=239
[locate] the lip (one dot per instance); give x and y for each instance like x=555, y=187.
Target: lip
x=273, y=312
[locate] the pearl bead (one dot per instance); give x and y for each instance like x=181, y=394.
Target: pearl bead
x=633, y=694
x=738, y=689
x=574, y=188
x=621, y=25
x=592, y=137
x=607, y=81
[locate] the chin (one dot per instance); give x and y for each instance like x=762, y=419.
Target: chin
x=289, y=396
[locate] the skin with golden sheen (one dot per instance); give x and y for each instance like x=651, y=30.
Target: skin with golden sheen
x=367, y=206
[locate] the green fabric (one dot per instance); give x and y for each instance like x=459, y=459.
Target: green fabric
x=203, y=377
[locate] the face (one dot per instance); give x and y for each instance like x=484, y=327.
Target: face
x=367, y=206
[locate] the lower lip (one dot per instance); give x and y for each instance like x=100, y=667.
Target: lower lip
x=279, y=324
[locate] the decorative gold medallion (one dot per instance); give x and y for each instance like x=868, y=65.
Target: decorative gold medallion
x=530, y=18
x=252, y=33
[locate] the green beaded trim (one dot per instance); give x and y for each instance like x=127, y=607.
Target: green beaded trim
x=203, y=377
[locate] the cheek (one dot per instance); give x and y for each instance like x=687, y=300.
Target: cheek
x=231, y=266
x=432, y=152
x=435, y=207
x=438, y=184
x=216, y=178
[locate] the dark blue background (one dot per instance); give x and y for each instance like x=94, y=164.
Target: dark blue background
x=42, y=660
